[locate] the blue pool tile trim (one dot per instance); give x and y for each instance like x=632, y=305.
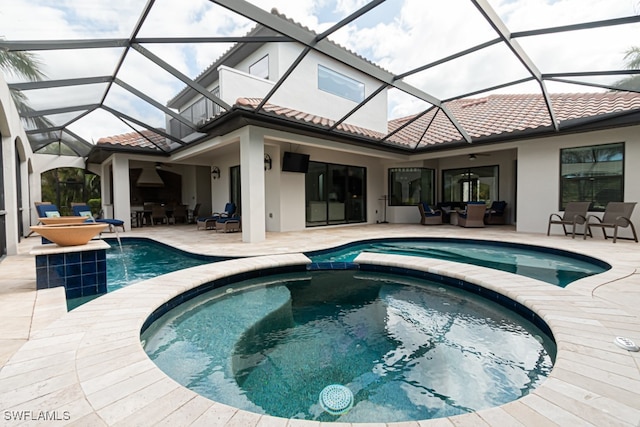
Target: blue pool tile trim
x=504, y=301
x=81, y=273
x=215, y=284
x=328, y=265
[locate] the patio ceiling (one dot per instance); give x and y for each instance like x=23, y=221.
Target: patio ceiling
x=113, y=70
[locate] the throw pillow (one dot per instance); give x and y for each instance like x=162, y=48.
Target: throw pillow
x=52, y=214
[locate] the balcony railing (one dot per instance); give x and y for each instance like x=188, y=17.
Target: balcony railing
x=198, y=113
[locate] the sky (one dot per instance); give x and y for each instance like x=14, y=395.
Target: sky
x=398, y=35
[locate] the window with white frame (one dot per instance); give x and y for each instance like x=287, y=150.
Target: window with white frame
x=339, y=84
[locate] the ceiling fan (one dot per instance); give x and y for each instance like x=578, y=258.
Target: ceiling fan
x=474, y=156
x=160, y=165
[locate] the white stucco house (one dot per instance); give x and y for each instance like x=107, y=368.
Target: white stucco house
x=300, y=137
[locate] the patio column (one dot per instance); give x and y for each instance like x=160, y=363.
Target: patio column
x=121, y=192
x=117, y=178
x=252, y=178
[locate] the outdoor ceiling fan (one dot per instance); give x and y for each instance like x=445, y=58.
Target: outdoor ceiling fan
x=474, y=156
x=160, y=165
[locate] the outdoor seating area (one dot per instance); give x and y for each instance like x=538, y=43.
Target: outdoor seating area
x=226, y=221
x=452, y=212
x=151, y=214
x=49, y=210
x=616, y=215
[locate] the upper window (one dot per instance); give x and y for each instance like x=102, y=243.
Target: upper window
x=339, y=84
x=592, y=174
x=260, y=68
x=409, y=186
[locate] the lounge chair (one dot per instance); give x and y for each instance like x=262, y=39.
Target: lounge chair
x=209, y=222
x=228, y=224
x=81, y=209
x=473, y=215
x=496, y=214
x=46, y=209
x=429, y=216
x=574, y=213
x=616, y=215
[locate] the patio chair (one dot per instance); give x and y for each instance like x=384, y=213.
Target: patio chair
x=429, y=216
x=209, y=222
x=179, y=214
x=574, y=213
x=158, y=215
x=496, y=214
x=616, y=215
x=82, y=209
x=195, y=213
x=473, y=215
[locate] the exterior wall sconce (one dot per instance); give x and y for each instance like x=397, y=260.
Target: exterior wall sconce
x=215, y=172
x=267, y=162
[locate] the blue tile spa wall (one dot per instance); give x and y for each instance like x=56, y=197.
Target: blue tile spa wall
x=81, y=273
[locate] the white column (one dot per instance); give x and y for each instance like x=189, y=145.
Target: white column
x=121, y=190
x=252, y=178
x=10, y=197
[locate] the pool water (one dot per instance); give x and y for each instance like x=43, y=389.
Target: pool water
x=548, y=265
x=408, y=349
x=136, y=259
x=133, y=260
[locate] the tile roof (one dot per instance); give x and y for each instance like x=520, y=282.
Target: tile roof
x=508, y=114
x=480, y=117
x=142, y=139
x=490, y=116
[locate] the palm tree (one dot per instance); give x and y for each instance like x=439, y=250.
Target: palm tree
x=632, y=62
x=25, y=65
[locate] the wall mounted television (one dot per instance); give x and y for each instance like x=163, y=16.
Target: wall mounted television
x=295, y=162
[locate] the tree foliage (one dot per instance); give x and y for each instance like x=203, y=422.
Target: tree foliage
x=27, y=66
x=632, y=62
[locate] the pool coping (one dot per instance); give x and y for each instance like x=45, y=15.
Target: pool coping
x=90, y=364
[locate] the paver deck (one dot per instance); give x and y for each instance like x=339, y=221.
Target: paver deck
x=87, y=367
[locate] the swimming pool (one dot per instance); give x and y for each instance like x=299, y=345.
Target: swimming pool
x=547, y=264
x=133, y=259
x=272, y=344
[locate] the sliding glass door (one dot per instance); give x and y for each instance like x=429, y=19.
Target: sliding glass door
x=335, y=194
